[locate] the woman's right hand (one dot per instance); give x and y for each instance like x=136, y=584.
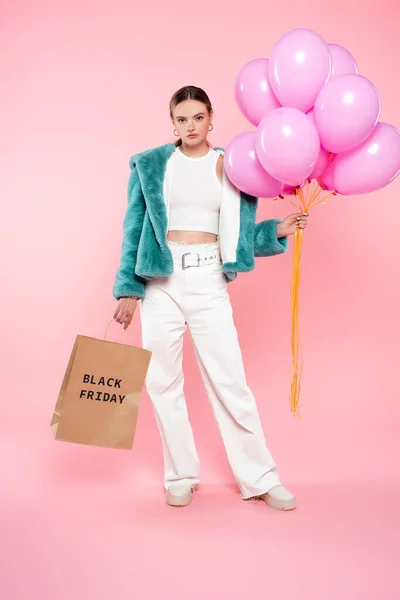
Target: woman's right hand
x=124, y=312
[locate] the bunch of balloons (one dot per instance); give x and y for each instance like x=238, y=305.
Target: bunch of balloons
x=316, y=118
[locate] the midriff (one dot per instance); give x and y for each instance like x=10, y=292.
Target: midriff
x=192, y=237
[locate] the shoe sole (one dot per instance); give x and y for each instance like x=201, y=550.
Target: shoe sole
x=179, y=502
x=279, y=505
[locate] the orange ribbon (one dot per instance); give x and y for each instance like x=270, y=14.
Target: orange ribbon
x=308, y=198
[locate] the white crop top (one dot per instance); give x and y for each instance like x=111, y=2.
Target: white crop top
x=194, y=192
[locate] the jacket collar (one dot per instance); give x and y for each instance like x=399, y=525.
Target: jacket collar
x=151, y=166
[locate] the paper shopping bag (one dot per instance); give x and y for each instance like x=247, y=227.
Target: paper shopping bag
x=99, y=398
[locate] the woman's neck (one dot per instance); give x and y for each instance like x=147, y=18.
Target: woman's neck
x=195, y=151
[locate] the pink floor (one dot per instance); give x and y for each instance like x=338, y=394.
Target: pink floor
x=98, y=542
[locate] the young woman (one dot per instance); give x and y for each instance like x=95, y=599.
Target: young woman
x=188, y=232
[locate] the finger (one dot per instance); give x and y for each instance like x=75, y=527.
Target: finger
x=125, y=320
x=127, y=317
x=119, y=318
x=303, y=219
x=302, y=223
x=126, y=324
x=116, y=312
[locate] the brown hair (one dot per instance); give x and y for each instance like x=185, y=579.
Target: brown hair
x=189, y=92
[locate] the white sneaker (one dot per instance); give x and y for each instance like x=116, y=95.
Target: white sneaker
x=179, y=495
x=280, y=498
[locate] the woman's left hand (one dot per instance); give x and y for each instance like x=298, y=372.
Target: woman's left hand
x=293, y=222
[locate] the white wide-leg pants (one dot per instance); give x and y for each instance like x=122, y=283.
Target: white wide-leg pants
x=197, y=298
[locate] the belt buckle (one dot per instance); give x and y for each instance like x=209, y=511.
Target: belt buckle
x=184, y=266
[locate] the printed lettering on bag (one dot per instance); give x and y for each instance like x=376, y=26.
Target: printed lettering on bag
x=102, y=396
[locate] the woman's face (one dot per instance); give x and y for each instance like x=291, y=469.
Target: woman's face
x=192, y=121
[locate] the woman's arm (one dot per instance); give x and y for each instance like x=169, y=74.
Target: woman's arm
x=271, y=237
x=266, y=241
x=127, y=283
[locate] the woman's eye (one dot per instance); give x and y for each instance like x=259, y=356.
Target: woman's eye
x=201, y=118
x=180, y=120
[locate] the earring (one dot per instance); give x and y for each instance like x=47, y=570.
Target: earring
x=212, y=127
x=176, y=134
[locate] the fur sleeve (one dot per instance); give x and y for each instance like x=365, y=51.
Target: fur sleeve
x=127, y=283
x=265, y=241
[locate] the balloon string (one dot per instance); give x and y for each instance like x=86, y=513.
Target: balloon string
x=296, y=373
x=307, y=200
x=324, y=199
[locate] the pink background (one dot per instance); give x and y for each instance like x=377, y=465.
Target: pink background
x=85, y=85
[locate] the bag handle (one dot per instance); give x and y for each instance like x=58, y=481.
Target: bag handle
x=106, y=331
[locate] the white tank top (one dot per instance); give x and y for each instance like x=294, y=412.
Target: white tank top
x=194, y=192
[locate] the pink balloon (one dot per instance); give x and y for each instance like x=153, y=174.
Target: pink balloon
x=324, y=159
x=253, y=92
x=372, y=165
x=326, y=179
x=342, y=61
x=299, y=66
x=346, y=112
x=245, y=170
x=323, y=162
x=287, y=145
x=310, y=116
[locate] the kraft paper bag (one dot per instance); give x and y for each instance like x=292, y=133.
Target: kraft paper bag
x=99, y=399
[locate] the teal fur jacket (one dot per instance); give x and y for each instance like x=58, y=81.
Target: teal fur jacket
x=145, y=254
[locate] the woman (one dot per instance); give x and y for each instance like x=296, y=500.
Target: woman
x=188, y=232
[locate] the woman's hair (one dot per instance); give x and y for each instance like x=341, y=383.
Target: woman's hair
x=189, y=92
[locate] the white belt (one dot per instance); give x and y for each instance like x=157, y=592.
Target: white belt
x=198, y=259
